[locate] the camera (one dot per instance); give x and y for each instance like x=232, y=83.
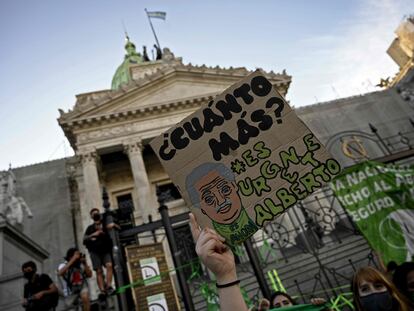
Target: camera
x=82, y=257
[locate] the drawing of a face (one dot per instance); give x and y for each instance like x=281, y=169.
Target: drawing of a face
x=219, y=199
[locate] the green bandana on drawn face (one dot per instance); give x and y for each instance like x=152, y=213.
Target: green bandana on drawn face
x=237, y=232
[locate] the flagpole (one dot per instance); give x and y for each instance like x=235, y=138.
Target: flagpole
x=153, y=31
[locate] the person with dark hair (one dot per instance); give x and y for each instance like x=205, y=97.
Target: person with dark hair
x=374, y=292
x=281, y=300
x=403, y=279
x=40, y=293
x=75, y=271
x=99, y=244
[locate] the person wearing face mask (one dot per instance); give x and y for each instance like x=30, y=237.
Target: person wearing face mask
x=403, y=279
x=75, y=271
x=40, y=293
x=374, y=292
x=99, y=244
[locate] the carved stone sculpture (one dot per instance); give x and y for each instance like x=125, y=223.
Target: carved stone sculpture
x=12, y=207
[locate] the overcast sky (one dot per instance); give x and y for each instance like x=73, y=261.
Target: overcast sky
x=52, y=50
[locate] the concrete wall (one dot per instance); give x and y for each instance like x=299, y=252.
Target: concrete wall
x=386, y=110
x=45, y=189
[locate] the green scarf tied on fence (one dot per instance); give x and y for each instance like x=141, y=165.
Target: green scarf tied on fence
x=301, y=308
x=210, y=296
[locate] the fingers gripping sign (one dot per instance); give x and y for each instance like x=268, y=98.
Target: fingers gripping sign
x=213, y=252
x=218, y=258
x=195, y=228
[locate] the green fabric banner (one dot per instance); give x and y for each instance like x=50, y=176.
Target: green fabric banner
x=380, y=200
x=301, y=308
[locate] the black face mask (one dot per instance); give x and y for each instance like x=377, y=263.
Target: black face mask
x=28, y=275
x=377, y=302
x=96, y=217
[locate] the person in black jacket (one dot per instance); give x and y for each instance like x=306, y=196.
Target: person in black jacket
x=40, y=293
x=99, y=244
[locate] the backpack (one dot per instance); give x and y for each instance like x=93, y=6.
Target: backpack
x=74, y=279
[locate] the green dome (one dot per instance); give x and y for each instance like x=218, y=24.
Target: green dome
x=122, y=74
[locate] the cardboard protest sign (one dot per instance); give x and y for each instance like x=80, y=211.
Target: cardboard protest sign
x=243, y=159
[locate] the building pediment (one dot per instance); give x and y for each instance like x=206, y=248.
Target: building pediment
x=155, y=90
x=168, y=84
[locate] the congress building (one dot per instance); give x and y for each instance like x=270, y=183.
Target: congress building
x=314, y=247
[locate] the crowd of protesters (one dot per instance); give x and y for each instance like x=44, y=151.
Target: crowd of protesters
x=372, y=289
x=390, y=289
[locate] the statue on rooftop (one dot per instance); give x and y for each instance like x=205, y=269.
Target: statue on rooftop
x=159, y=53
x=145, y=54
x=167, y=54
x=407, y=94
x=12, y=207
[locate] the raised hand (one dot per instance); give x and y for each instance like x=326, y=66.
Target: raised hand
x=219, y=259
x=213, y=252
x=317, y=301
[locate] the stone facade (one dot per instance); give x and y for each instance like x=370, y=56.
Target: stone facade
x=45, y=237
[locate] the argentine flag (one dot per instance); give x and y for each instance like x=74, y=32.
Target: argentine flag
x=157, y=14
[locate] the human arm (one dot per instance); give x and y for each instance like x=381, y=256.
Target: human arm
x=112, y=225
x=51, y=288
x=88, y=270
x=91, y=233
x=219, y=259
x=317, y=301
x=65, y=268
x=25, y=295
x=264, y=305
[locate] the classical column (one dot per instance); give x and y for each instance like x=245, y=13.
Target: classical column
x=92, y=186
x=90, y=195
x=141, y=182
